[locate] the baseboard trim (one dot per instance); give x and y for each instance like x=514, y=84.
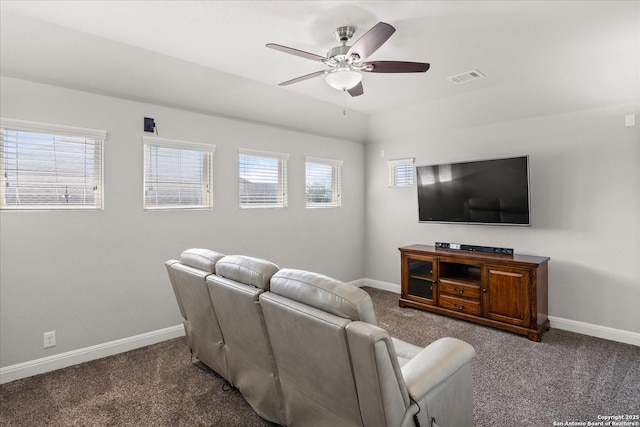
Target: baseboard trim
x=385, y=286
x=358, y=283
x=590, y=329
x=597, y=331
x=70, y=358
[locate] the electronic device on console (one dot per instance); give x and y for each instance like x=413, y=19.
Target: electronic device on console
x=474, y=248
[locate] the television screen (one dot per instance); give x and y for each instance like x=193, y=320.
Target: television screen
x=479, y=192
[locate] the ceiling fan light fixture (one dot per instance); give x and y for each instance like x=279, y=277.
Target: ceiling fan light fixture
x=343, y=79
x=345, y=62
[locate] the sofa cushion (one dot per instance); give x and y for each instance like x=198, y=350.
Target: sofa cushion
x=324, y=293
x=202, y=259
x=247, y=270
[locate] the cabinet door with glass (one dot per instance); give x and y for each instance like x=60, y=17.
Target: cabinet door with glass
x=419, y=279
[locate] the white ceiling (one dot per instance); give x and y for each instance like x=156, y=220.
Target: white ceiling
x=578, y=52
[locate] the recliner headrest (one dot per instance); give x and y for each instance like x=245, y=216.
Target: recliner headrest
x=324, y=293
x=250, y=271
x=202, y=259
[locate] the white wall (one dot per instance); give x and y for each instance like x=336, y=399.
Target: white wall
x=96, y=277
x=585, y=187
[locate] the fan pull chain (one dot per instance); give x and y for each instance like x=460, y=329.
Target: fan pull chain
x=344, y=102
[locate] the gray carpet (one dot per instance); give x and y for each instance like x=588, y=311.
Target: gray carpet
x=565, y=378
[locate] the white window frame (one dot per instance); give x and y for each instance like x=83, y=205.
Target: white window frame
x=174, y=148
x=335, y=178
x=252, y=200
x=58, y=178
x=398, y=176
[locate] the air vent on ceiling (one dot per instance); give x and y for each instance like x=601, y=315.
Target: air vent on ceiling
x=466, y=77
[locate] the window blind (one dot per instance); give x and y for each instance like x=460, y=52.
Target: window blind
x=49, y=166
x=401, y=172
x=263, y=179
x=177, y=174
x=323, y=182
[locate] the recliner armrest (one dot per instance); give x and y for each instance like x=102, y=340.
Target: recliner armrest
x=435, y=363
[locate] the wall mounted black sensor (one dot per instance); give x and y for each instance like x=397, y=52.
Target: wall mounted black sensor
x=149, y=124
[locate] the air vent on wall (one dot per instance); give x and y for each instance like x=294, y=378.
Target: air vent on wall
x=466, y=77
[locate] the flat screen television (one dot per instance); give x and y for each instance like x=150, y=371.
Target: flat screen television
x=494, y=192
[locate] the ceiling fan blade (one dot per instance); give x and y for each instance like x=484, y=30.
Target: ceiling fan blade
x=301, y=78
x=357, y=90
x=371, y=40
x=296, y=52
x=395, y=67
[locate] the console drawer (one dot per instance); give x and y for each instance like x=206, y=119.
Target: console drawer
x=461, y=290
x=458, y=304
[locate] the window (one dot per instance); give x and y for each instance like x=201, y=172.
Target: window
x=48, y=166
x=177, y=174
x=263, y=179
x=323, y=182
x=401, y=173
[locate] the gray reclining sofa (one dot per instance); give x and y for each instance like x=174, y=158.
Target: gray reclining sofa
x=305, y=349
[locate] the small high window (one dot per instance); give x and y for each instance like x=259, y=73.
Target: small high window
x=177, y=174
x=401, y=172
x=323, y=182
x=49, y=166
x=263, y=179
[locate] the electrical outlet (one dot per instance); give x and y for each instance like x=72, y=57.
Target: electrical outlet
x=49, y=339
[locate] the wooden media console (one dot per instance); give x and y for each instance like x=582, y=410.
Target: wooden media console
x=508, y=292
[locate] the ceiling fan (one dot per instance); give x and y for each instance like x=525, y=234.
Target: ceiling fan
x=346, y=62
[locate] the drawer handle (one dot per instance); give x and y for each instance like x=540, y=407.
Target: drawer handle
x=460, y=291
x=461, y=307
